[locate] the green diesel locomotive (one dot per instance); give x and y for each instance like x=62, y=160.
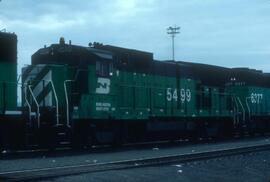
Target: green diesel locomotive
x=107, y=94
x=98, y=94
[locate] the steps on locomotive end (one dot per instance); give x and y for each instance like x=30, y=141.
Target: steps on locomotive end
x=62, y=136
x=31, y=141
x=61, y=133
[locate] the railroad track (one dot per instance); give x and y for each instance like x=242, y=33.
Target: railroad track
x=54, y=172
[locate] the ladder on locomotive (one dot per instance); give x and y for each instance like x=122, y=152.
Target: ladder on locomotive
x=45, y=118
x=241, y=112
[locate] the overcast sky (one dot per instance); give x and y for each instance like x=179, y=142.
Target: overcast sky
x=232, y=33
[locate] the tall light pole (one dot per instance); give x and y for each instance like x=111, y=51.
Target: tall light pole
x=173, y=31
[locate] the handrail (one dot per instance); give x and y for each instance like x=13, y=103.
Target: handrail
x=237, y=110
x=56, y=102
x=249, y=112
x=244, y=112
x=35, y=100
x=19, y=77
x=27, y=102
x=67, y=101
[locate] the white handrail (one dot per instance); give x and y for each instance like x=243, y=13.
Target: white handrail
x=244, y=112
x=19, y=77
x=237, y=110
x=67, y=101
x=249, y=112
x=56, y=102
x=26, y=100
x=35, y=100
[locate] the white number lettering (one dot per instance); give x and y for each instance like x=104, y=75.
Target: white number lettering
x=188, y=94
x=185, y=95
x=175, y=96
x=256, y=98
x=252, y=97
x=169, y=94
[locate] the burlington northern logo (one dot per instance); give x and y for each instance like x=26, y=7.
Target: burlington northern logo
x=103, y=86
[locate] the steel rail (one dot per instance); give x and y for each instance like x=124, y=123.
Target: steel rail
x=54, y=172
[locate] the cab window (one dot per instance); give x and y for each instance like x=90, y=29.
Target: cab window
x=104, y=68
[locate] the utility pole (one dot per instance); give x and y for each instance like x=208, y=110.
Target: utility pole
x=173, y=31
